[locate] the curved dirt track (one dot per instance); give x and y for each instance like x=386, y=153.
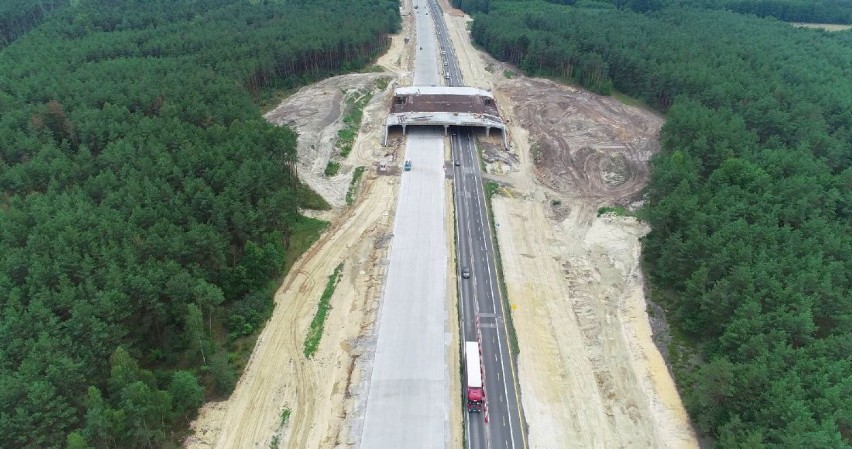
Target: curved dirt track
x=585, y=145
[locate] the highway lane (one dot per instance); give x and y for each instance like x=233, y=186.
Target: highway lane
x=480, y=298
x=408, y=393
x=481, y=301
x=475, y=427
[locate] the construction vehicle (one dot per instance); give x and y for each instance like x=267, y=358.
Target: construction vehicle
x=473, y=371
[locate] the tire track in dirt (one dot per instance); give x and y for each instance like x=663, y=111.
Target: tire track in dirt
x=306, y=374
x=277, y=374
x=590, y=374
x=584, y=145
x=303, y=371
x=576, y=321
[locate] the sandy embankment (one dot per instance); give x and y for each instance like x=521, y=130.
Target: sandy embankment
x=319, y=391
x=589, y=372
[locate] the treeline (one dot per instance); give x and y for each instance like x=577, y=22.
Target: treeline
x=19, y=16
x=472, y=6
x=819, y=11
x=750, y=201
x=146, y=207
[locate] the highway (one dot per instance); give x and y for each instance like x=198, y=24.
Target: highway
x=409, y=393
x=480, y=297
x=409, y=390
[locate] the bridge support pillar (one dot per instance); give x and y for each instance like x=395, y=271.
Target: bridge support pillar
x=403, y=130
x=487, y=131
x=506, y=139
x=446, y=127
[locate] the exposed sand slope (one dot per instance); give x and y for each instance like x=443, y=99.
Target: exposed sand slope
x=589, y=371
x=316, y=113
x=590, y=374
x=317, y=391
x=823, y=26
x=277, y=374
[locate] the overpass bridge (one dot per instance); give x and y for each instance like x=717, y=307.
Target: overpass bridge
x=444, y=106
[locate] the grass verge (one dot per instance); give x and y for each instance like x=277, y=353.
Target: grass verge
x=276, y=439
x=310, y=199
x=382, y=83
x=627, y=99
x=353, y=186
x=482, y=166
x=269, y=99
x=303, y=234
x=372, y=68
x=312, y=340
x=491, y=188
x=640, y=214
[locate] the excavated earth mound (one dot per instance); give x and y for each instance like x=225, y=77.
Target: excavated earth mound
x=584, y=145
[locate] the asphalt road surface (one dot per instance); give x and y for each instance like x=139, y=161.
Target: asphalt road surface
x=481, y=301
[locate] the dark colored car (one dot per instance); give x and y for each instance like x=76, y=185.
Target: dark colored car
x=465, y=272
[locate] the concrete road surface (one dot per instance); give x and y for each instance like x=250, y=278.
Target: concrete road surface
x=408, y=401
x=409, y=389
x=426, y=57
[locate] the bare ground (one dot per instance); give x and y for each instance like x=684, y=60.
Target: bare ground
x=824, y=26
x=321, y=392
x=316, y=113
x=589, y=371
x=584, y=145
x=278, y=375
x=575, y=283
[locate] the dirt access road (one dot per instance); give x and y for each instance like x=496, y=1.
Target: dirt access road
x=321, y=392
x=589, y=372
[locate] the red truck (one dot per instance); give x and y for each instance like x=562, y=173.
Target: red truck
x=473, y=369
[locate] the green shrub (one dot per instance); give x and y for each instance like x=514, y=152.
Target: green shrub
x=332, y=168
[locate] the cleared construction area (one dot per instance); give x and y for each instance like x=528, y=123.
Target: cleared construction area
x=589, y=372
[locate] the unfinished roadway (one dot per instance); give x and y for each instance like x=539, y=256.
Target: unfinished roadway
x=408, y=401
